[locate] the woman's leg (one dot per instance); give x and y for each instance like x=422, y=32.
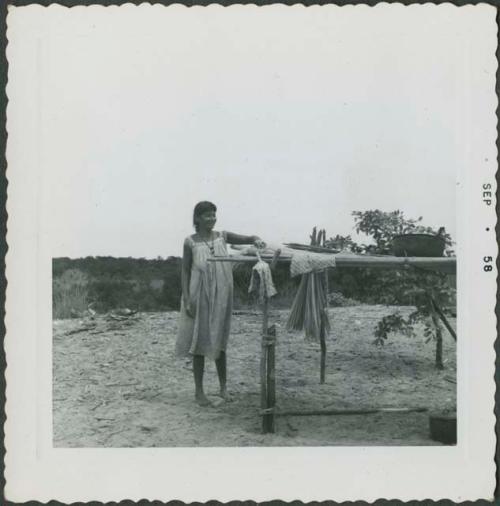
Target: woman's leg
x=221, y=365
x=198, y=369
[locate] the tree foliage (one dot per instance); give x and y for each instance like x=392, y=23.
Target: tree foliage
x=112, y=283
x=382, y=226
x=411, y=286
x=125, y=282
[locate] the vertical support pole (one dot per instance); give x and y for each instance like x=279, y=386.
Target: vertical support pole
x=444, y=320
x=263, y=366
x=322, y=333
x=439, y=346
x=323, y=352
x=271, y=381
x=439, y=336
x=269, y=339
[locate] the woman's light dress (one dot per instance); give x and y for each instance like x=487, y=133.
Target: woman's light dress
x=211, y=294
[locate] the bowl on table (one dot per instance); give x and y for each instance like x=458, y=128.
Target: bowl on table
x=418, y=245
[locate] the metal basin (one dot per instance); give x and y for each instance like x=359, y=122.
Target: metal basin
x=418, y=245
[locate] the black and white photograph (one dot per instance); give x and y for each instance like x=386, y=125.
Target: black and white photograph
x=256, y=228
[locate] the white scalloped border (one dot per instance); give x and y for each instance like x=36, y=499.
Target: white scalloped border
x=142, y=473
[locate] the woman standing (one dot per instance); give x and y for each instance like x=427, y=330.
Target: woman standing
x=207, y=297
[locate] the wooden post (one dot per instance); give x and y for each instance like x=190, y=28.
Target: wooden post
x=439, y=336
x=263, y=366
x=323, y=352
x=322, y=334
x=439, y=347
x=268, y=373
x=444, y=320
x=271, y=381
x=316, y=241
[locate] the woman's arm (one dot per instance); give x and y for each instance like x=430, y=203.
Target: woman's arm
x=187, y=259
x=244, y=239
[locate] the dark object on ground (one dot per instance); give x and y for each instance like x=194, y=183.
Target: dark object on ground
x=83, y=328
x=125, y=312
x=418, y=245
x=443, y=428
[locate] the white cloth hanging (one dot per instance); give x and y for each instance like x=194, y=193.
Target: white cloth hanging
x=262, y=280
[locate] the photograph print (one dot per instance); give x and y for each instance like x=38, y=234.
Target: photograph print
x=254, y=233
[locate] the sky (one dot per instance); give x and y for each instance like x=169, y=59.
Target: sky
x=284, y=117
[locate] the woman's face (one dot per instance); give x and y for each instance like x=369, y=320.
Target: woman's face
x=207, y=221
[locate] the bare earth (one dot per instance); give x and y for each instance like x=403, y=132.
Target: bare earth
x=119, y=384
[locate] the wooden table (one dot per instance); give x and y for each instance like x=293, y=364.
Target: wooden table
x=268, y=411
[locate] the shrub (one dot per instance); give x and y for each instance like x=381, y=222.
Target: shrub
x=420, y=288
x=338, y=299
x=70, y=296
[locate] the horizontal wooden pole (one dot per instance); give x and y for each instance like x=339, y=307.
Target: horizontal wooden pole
x=368, y=411
x=444, y=264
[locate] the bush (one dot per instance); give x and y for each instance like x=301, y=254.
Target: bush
x=113, y=293
x=70, y=295
x=112, y=283
x=417, y=287
x=172, y=286
x=338, y=299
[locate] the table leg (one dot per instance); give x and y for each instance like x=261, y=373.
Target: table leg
x=322, y=343
x=322, y=333
x=443, y=319
x=271, y=381
x=265, y=384
x=439, y=336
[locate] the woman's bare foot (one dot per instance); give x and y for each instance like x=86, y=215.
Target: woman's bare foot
x=202, y=400
x=225, y=395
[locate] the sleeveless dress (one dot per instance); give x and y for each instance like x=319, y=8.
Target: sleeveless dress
x=211, y=293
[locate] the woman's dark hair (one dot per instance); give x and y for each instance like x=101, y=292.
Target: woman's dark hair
x=200, y=208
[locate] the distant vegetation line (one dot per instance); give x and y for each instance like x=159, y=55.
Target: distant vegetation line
x=137, y=283
x=141, y=284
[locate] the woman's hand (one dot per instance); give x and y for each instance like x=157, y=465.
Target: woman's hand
x=189, y=307
x=258, y=242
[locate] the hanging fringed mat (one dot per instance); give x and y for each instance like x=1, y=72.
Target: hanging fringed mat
x=309, y=308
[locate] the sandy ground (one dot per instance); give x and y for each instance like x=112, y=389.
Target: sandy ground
x=118, y=384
